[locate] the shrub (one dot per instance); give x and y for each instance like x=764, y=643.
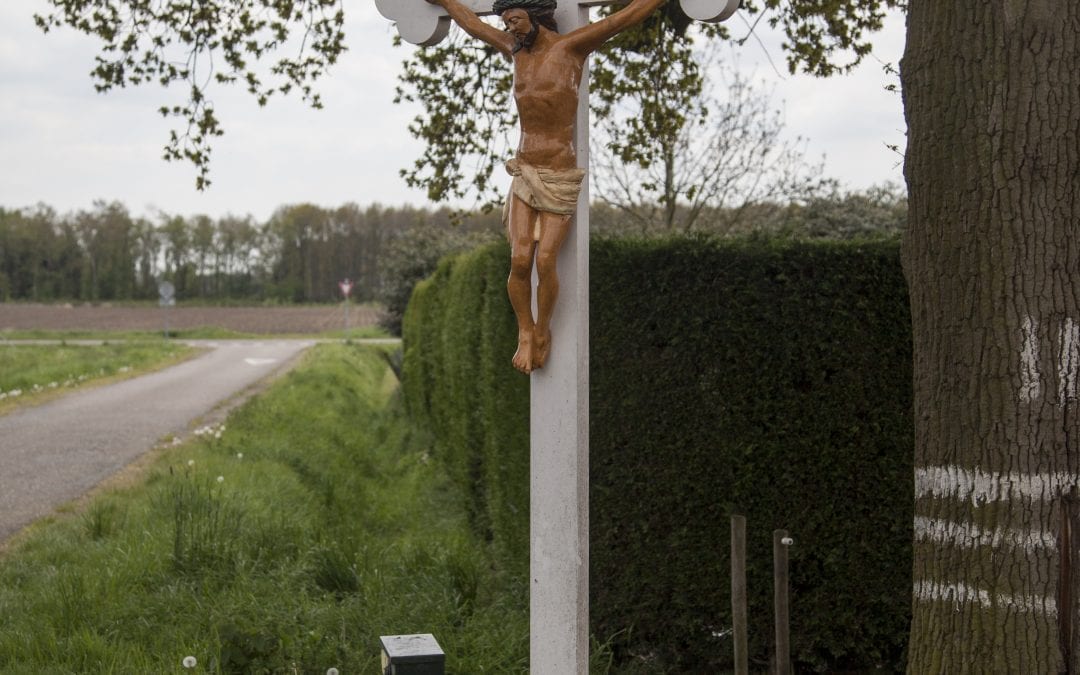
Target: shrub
x=762, y=378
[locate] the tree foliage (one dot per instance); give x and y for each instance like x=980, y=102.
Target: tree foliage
x=824, y=37
x=652, y=70
x=298, y=255
x=703, y=157
x=274, y=47
x=464, y=88
x=271, y=47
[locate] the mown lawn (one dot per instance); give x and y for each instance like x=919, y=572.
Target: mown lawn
x=30, y=373
x=286, y=542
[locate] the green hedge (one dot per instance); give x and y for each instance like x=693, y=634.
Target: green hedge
x=458, y=384
x=761, y=378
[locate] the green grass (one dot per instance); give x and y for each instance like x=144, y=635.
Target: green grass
x=202, y=333
x=329, y=526
x=37, y=372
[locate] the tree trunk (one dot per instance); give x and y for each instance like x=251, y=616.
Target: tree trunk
x=992, y=99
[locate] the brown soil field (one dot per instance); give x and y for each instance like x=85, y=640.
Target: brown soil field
x=269, y=320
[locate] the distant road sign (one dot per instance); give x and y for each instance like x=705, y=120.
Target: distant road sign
x=346, y=287
x=166, y=291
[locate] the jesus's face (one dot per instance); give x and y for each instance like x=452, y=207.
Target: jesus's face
x=519, y=24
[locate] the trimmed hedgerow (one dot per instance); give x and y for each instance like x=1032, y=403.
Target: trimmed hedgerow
x=458, y=385
x=769, y=379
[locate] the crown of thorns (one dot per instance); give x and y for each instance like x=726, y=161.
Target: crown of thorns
x=501, y=6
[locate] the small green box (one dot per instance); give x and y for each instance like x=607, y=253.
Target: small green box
x=412, y=655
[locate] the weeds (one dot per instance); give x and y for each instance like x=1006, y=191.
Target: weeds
x=102, y=519
x=207, y=525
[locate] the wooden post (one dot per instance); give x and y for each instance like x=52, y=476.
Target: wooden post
x=738, y=593
x=781, y=608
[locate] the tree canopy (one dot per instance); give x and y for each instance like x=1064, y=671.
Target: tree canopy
x=278, y=47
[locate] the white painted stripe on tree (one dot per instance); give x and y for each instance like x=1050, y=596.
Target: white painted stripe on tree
x=1030, y=379
x=961, y=594
x=970, y=535
x=953, y=482
x=1068, y=361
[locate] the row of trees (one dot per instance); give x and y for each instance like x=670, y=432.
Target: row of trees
x=302, y=251
x=298, y=255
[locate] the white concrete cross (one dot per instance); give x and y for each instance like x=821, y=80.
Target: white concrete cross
x=559, y=420
x=423, y=23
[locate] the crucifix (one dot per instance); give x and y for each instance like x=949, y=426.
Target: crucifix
x=547, y=219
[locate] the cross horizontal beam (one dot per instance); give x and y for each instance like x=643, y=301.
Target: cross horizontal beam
x=423, y=23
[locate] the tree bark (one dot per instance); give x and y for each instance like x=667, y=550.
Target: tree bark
x=992, y=100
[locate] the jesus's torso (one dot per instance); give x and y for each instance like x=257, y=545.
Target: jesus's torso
x=546, y=90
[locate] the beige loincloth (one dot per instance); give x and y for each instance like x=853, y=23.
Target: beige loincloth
x=549, y=190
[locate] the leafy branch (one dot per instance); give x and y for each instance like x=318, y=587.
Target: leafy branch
x=464, y=87
x=197, y=44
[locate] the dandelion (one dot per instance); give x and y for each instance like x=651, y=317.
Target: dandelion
x=331, y=671
x=218, y=435
x=15, y=393
x=53, y=385
x=221, y=479
x=189, y=662
x=239, y=455
x=191, y=462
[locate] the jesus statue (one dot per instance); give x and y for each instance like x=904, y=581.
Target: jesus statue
x=547, y=181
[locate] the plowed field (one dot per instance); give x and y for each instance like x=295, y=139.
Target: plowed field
x=303, y=319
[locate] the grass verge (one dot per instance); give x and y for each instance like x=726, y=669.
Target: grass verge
x=284, y=543
x=32, y=374
x=201, y=333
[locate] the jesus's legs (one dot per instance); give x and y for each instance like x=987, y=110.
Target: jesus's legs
x=519, y=285
x=553, y=231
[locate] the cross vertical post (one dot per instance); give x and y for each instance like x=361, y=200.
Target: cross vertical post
x=559, y=441
x=559, y=391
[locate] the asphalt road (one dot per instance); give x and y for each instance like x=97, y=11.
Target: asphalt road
x=56, y=452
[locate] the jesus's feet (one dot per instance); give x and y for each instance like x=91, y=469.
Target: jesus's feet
x=523, y=358
x=541, y=347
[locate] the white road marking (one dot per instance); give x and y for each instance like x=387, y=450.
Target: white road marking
x=259, y=362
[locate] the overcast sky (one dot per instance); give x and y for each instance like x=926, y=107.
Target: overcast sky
x=64, y=145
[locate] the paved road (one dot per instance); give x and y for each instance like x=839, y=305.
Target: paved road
x=56, y=452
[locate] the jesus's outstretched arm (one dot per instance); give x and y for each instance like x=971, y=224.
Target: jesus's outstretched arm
x=587, y=39
x=475, y=26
